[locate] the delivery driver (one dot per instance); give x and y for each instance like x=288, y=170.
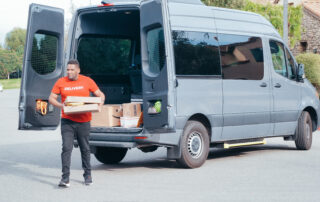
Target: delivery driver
x=74, y=125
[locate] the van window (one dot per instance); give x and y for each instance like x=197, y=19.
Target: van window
x=156, y=50
x=241, y=57
x=278, y=58
x=104, y=55
x=196, y=53
x=291, y=66
x=44, y=53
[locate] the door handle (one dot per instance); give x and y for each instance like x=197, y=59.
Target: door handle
x=264, y=84
x=278, y=85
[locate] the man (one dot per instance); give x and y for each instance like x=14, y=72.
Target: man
x=74, y=125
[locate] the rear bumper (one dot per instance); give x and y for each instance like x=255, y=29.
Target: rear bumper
x=128, y=138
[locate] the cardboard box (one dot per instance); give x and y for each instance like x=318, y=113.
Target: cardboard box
x=81, y=109
x=129, y=122
x=132, y=109
x=108, y=117
x=90, y=100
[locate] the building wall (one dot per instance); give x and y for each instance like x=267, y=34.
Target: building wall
x=310, y=33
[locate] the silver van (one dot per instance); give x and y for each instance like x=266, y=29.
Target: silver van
x=224, y=77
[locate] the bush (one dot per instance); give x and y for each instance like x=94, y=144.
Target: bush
x=311, y=67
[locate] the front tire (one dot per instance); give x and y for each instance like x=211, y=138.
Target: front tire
x=194, y=145
x=110, y=155
x=304, y=132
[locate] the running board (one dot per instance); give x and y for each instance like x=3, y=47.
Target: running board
x=240, y=144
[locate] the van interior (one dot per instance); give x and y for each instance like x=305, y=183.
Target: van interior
x=108, y=50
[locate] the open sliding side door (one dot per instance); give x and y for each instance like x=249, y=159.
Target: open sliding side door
x=157, y=65
x=42, y=66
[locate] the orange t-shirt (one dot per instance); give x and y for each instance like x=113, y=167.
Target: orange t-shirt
x=81, y=87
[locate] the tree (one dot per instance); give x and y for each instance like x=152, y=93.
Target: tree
x=15, y=41
x=12, y=56
x=9, y=63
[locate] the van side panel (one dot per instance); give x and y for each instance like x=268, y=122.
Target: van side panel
x=202, y=96
x=286, y=100
x=197, y=94
x=247, y=103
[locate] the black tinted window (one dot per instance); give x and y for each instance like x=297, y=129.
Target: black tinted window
x=241, y=57
x=104, y=55
x=156, y=50
x=278, y=58
x=44, y=53
x=196, y=53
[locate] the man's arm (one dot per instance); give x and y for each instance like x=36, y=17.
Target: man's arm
x=53, y=99
x=100, y=94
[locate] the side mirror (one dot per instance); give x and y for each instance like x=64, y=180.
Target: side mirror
x=300, y=73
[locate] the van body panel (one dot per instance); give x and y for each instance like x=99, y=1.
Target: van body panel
x=205, y=94
x=157, y=86
x=228, y=20
x=200, y=96
x=186, y=16
x=308, y=99
x=286, y=101
x=247, y=103
x=43, y=40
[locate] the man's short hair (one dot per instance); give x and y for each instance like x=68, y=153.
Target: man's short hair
x=74, y=62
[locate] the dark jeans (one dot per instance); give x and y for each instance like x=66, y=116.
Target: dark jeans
x=80, y=131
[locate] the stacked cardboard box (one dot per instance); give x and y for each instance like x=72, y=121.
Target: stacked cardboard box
x=108, y=117
x=131, y=115
x=125, y=115
x=74, y=104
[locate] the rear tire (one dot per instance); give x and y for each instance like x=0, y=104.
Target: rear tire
x=304, y=132
x=194, y=145
x=110, y=155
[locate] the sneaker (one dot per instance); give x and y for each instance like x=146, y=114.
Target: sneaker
x=64, y=183
x=88, y=180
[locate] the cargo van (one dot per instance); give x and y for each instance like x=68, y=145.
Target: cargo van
x=224, y=77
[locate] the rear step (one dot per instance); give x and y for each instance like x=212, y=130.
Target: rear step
x=232, y=144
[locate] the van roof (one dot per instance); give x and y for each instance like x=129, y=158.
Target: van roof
x=199, y=17
x=226, y=20
x=243, y=21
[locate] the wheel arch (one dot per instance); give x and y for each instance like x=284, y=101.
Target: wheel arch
x=204, y=120
x=314, y=117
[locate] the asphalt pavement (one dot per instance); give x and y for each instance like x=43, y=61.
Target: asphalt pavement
x=30, y=170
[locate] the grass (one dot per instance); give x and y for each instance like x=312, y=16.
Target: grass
x=10, y=83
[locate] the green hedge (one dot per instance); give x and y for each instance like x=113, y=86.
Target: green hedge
x=311, y=67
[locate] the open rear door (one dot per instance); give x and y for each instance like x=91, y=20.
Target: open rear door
x=158, y=68
x=42, y=66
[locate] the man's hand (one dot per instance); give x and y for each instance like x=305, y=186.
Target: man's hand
x=53, y=99
x=100, y=94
